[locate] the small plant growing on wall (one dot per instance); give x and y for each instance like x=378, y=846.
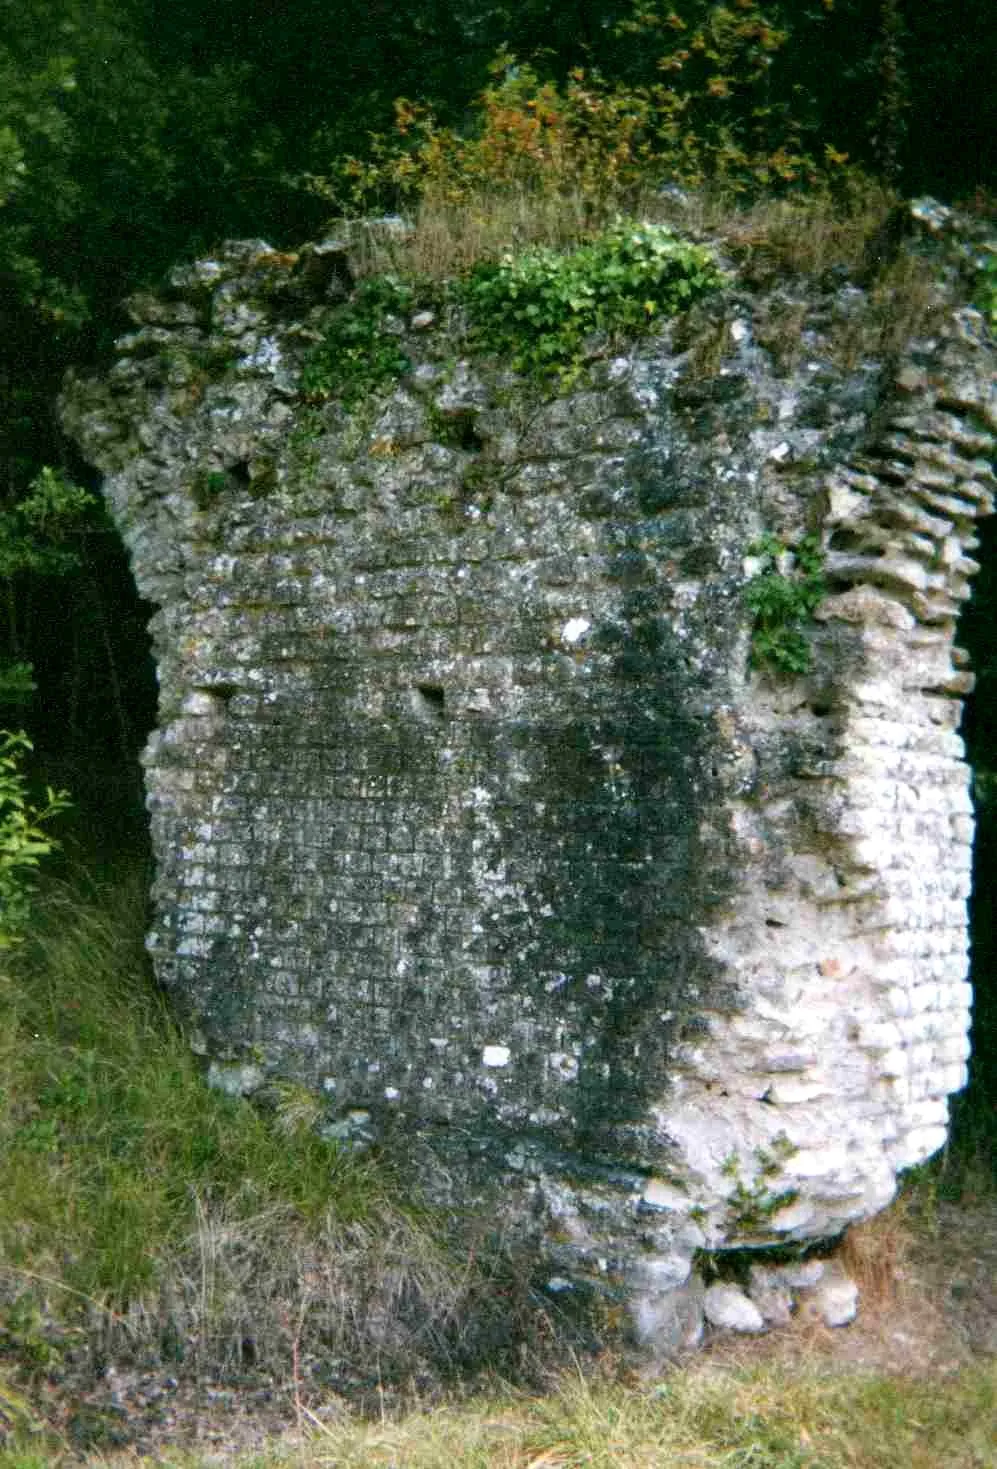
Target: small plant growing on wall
x=359, y=353
x=207, y=485
x=985, y=297
x=753, y=1202
x=783, y=595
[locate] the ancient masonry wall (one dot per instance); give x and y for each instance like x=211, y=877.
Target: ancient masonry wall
x=858, y=953
x=469, y=811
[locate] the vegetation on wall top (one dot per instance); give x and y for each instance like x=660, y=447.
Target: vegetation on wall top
x=539, y=307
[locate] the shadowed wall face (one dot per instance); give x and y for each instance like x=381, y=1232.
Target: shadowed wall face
x=469, y=808
x=451, y=773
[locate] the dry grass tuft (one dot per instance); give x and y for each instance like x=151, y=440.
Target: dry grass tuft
x=778, y=326
x=807, y=235
x=877, y=1255
x=904, y=302
x=449, y=239
x=771, y=238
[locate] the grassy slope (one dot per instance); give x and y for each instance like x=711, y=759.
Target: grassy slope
x=109, y=1137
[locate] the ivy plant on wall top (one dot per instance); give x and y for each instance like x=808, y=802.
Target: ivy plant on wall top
x=539, y=307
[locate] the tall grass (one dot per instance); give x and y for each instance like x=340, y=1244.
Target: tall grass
x=805, y=235
x=150, y=1213
x=109, y=1135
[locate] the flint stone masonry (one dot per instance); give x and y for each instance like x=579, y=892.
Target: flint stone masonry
x=469, y=810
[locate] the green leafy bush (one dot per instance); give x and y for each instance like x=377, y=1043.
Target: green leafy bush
x=783, y=595
x=39, y=533
x=698, y=107
x=538, y=308
x=22, y=841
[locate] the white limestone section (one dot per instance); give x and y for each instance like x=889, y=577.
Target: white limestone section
x=835, y=1300
x=729, y=1309
x=793, y=1114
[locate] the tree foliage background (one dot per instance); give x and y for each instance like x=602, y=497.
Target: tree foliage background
x=134, y=133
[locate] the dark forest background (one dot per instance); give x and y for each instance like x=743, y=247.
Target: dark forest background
x=134, y=133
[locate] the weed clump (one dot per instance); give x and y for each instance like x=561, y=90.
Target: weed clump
x=783, y=595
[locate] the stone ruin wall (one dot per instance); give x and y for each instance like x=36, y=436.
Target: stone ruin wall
x=468, y=810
